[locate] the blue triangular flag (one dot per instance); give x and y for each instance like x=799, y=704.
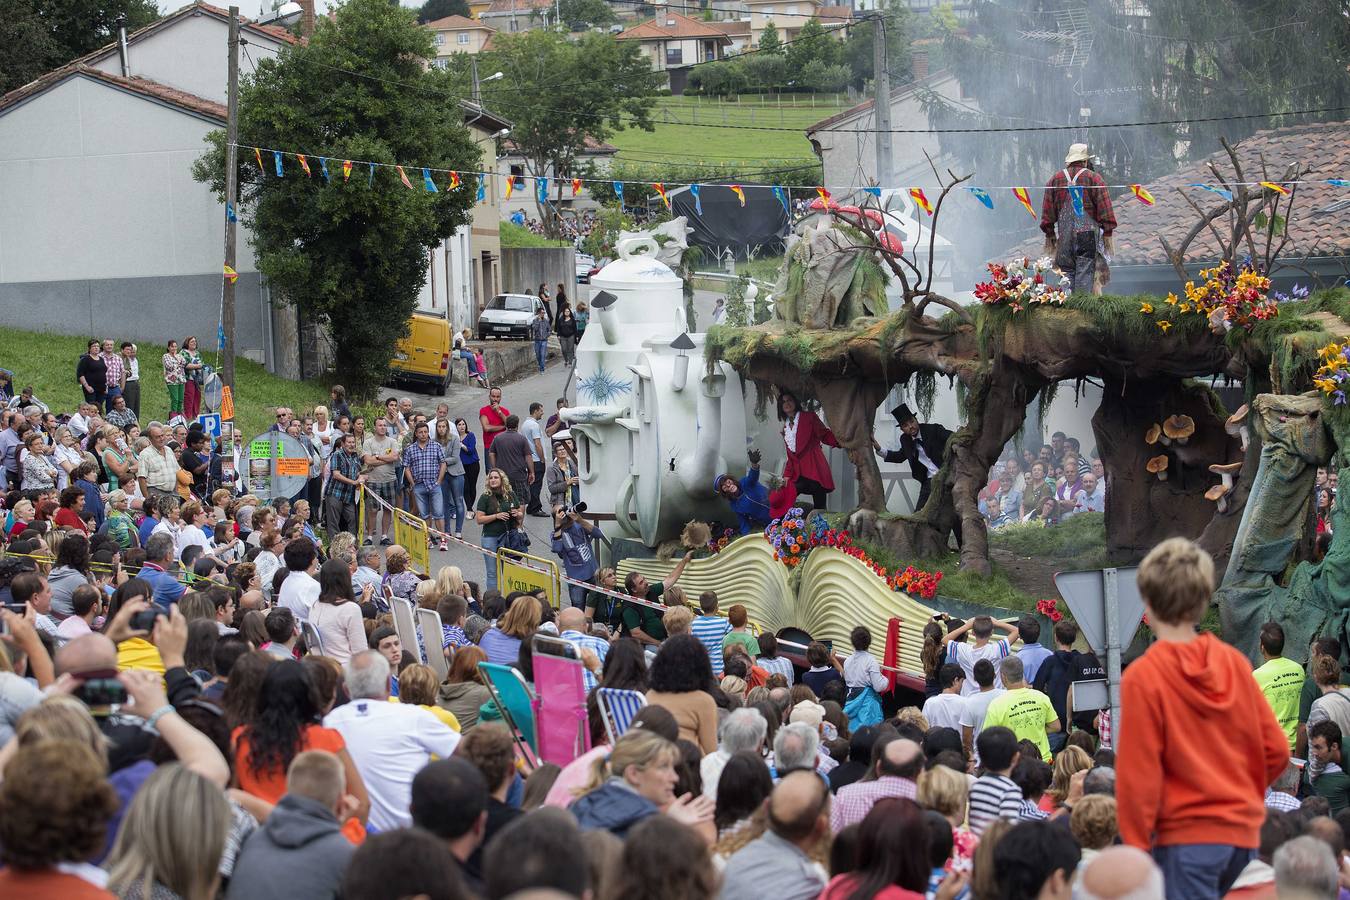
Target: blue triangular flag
x=1076, y=196
x=1227, y=195
x=482, y=187
x=323, y=167
x=220, y=337
x=276, y=155
x=427, y=182
x=698, y=201
x=1338, y=182
x=874, y=191
x=782, y=198
x=370, y=179
x=541, y=189
x=229, y=212
x=982, y=195
x=618, y=191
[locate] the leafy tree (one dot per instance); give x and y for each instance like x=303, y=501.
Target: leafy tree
x=439, y=9
x=351, y=253
x=37, y=36
x=557, y=92
x=769, y=41
x=584, y=13
x=765, y=71
x=812, y=44
x=857, y=52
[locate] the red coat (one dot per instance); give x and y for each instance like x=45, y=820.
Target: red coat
x=808, y=461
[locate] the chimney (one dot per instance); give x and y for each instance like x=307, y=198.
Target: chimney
x=306, y=18
x=123, y=52
x=919, y=64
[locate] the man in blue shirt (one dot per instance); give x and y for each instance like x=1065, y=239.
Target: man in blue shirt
x=571, y=542
x=748, y=498
x=159, y=556
x=572, y=627
x=1032, y=653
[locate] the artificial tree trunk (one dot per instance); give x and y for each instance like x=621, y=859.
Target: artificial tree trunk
x=851, y=406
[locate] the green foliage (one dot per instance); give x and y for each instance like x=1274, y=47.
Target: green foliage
x=439, y=9
x=352, y=256
x=514, y=235
x=857, y=52
x=719, y=79
x=769, y=41
x=1075, y=536
x=585, y=13
x=812, y=44
x=737, y=315
x=762, y=268
x=608, y=223
x=1045, y=399
x=37, y=36
x=925, y=392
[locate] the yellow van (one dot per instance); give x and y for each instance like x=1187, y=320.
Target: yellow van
x=424, y=355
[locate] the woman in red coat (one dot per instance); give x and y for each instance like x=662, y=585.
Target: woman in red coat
x=803, y=433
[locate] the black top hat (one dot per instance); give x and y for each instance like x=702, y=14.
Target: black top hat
x=902, y=414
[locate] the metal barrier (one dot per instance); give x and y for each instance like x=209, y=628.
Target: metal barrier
x=520, y=571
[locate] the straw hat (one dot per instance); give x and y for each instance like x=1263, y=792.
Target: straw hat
x=1077, y=153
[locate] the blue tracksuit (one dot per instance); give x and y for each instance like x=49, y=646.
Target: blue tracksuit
x=751, y=506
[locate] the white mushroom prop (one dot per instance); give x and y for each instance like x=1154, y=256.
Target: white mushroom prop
x=1237, y=426
x=1222, y=491
x=1179, y=428
x=1158, y=466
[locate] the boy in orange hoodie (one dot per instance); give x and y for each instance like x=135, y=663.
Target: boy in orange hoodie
x=1198, y=742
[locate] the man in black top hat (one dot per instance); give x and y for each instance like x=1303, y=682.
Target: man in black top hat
x=921, y=446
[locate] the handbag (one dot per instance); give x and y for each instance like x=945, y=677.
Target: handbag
x=516, y=539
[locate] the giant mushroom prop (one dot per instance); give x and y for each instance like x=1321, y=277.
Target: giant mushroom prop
x=1222, y=491
x=1158, y=466
x=1179, y=429
x=1237, y=426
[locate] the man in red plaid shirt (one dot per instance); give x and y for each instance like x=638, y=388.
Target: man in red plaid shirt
x=1077, y=220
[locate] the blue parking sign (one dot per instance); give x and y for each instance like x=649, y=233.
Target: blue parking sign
x=210, y=423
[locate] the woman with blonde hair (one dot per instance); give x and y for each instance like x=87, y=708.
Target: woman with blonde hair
x=172, y=838
x=450, y=582
x=323, y=432
x=945, y=791
x=1070, y=761
x=417, y=686
x=501, y=642
x=637, y=781
x=497, y=511
x=118, y=460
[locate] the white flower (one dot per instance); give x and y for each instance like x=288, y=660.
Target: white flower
x=1044, y=263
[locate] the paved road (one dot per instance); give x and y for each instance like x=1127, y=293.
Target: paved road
x=466, y=400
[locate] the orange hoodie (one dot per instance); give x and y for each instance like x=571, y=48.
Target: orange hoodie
x=1198, y=747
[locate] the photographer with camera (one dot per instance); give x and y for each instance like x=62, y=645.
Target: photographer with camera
x=571, y=542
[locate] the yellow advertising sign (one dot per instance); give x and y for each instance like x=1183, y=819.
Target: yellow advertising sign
x=410, y=533
x=226, y=403
x=522, y=572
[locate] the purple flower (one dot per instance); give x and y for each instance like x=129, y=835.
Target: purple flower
x=1339, y=398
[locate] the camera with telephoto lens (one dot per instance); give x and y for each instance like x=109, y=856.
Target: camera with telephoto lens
x=575, y=508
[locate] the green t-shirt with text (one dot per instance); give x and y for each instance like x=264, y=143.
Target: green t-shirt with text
x=1281, y=680
x=1026, y=711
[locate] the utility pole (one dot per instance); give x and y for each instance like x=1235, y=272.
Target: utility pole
x=882, y=102
x=474, y=59
x=231, y=199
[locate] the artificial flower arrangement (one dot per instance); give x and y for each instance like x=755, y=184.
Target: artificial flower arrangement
x=1228, y=298
x=794, y=535
x=1022, y=282
x=1333, y=374
x=1050, y=609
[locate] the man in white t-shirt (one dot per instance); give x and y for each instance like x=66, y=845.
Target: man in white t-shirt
x=967, y=655
x=977, y=704
x=532, y=431
x=944, y=710
x=388, y=742
x=299, y=592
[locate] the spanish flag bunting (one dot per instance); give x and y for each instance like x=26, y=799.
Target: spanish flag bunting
x=918, y=196
x=1025, y=199
x=576, y=186
x=1277, y=188
x=454, y=180
x=510, y=187
x=661, y=189
x=231, y=275
x=739, y=192
x=1141, y=194
x=346, y=169
x=257, y=154
x=824, y=196
x=304, y=163
x=403, y=176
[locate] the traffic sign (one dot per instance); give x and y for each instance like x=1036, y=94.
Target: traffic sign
x=1085, y=592
x=210, y=423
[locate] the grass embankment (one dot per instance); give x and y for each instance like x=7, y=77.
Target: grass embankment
x=47, y=362
x=682, y=126
x=519, y=236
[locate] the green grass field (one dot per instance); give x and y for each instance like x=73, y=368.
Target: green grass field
x=47, y=362
x=679, y=134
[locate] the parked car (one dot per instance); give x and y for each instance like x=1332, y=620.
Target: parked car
x=508, y=316
x=424, y=355
x=596, y=267
x=585, y=263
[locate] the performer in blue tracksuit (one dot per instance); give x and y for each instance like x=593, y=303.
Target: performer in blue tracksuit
x=748, y=498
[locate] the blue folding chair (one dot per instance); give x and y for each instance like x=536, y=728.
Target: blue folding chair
x=515, y=701
x=618, y=709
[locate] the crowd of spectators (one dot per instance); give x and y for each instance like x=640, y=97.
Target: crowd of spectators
x=1045, y=485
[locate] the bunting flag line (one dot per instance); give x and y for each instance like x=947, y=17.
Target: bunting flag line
x=1076, y=198
x=510, y=187
x=370, y=179
x=918, y=196
x=427, y=182
x=1277, y=188
x=346, y=169
x=1227, y=195
x=229, y=212
x=403, y=177
x=1025, y=199
x=1141, y=194
x=482, y=188
x=454, y=180
x=231, y=275
x=661, y=190
x=541, y=189
x=618, y=191
x=257, y=154
x=220, y=337
x=1338, y=182
x=740, y=194
x=698, y=200
x=982, y=195
x=276, y=157
x=873, y=191
x=824, y=196
x=323, y=169
x=782, y=198
x=304, y=164
x=576, y=186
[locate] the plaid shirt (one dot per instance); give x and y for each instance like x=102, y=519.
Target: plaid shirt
x=349, y=465
x=121, y=418
x=855, y=801
x=1096, y=199
x=114, y=363
x=588, y=642
x=424, y=462
x=1282, y=802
